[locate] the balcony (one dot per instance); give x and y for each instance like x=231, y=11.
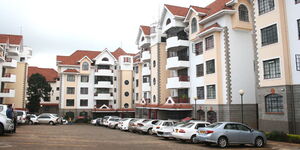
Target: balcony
x=8, y=78
x=7, y=93
x=146, y=87
x=175, y=23
x=146, y=71
x=176, y=43
x=10, y=63
x=2, y=57
x=146, y=56
x=145, y=42
x=104, y=72
x=180, y=82
x=104, y=84
x=13, y=51
x=179, y=100
x=177, y=62
x=103, y=96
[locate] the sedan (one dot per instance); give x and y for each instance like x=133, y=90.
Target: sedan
x=48, y=119
x=226, y=133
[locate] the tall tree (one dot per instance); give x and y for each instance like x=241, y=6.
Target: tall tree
x=38, y=89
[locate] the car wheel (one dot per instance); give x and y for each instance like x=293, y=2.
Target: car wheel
x=259, y=142
x=150, y=131
x=193, y=139
x=222, y=142
x=51, y=123
x=30, y=122
x=1, y=129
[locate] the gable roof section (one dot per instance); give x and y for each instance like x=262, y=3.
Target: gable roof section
x=177, y=10
x=119, y=52
x=11, y=39
x=50, y=74
x=76, y=56
x=217, y=6
x=145, y=29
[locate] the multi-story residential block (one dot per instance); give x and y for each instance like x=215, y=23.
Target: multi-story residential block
x=13, y=70
x=96, y=83
x=48, y=105
x=277, y=25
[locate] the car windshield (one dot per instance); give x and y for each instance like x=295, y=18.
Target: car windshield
x=188, y=125
x=215, y=125
x=145, y=121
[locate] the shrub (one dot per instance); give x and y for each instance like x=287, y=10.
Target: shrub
x=294, y=138
x=281, y=136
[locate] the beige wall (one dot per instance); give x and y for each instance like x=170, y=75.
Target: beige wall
x=70, y=96
x=236, y=23
x=154, y=73
x=126, y=75
x=19, y=86
x=164, y=74
x=85, y=71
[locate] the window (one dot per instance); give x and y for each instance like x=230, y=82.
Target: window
x=136, y=96
x=154, y=63
x=57, y=98
x=209, y=42
x=211, y=91
x=137, y=83
x=154, y=81
x=105, y=59
x=199, y=70
x=126, y=105
x=298, y=62
x=269, y=35
x=83, y=102
x=200, y=92
x=297, y=1
x=243, y=13
x=84, y=79
x=154, y=98
x=136, y=69
x=85, y=66
x=127, y=59
x=126, y=82
x=210, y=66
x=199, y=48
x=272, y=69
x=115, y=90
x=194, y=25
x=70, y=102
x=84, y=90
x=70, y=90
x=168, y=21
x=57, y=88
x=265, y=6
x=142, y=39
x=298, y=24
x=126, y=94
x=115, y=78
x=274, y=103
x=70, y=78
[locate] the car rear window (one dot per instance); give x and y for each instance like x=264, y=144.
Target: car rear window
x=158, y=123
x=215, y=125
x=167, y=124
x=19, y=113
x=145, y=121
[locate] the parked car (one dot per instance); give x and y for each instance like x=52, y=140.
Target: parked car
x=189, y=130
x=105, y=119
x=94, y=121
x=21, y=116
x=113, y=122
x=226, y=133
x=160, y=125
x=6, y=124
x=146, y=126
x=32, y=119
x=124, y=123
x=133, y=124
x=166, y=132
x=48, y=118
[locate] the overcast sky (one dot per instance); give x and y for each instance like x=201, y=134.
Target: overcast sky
x=59, y=27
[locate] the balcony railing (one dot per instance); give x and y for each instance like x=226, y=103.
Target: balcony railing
x=96, y=94
x=181, y=100
x=184, y=78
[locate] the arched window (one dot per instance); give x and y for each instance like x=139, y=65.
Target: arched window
x=194, y=25
x=243, y=13
x=85, y=66
x=168, y=21
x=154, y=98
x=274, y=103
x=105, y=59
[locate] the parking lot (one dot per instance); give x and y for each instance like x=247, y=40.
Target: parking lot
x=46, y=137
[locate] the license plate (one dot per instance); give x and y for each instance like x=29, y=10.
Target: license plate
x=176, y=130
x=202, y=132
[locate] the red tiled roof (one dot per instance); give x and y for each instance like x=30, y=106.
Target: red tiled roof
x=200, y=9
x=76, y=56
x=119, y=52
x=177, y=10
x=11, y=39
x=50, y=74
x=145, y=29
x=71, y=71
x=209, y=27
x=216, y=6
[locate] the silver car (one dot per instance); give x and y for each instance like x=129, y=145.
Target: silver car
x=48, y=119
x=225, y=133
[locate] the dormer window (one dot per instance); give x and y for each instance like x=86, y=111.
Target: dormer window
x=168, y=21
x=105, y=59
x=194, y=25
x=127, y=59
x=85, y=66
x=243, y=13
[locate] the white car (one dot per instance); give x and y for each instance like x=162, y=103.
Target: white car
x=188, y=131
x=7, y=124
x=33, y=119
x=166, y=132
x=161, y=124
x=133, y=124
x=113, y=122
x=105, y=120
x=21, y=116
x=124, y=123
x=146, y=126
x=94, y=121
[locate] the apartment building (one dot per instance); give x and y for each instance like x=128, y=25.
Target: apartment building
x=48, y=105
x=13, y=70
x=96, y=83
x=277, y=25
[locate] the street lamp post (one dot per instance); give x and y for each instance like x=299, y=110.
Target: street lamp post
x=242, y=92
x=195, y=98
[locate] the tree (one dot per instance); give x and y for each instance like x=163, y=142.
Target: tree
x=38, y=88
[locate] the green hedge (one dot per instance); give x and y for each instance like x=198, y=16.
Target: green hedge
x=281, y=136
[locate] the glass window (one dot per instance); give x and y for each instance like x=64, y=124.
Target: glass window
x=211, y=91
x=70, y=90
x=127, y=59
x=194, y=25
x=200, y=92
x=137, y=83
x=84, y=79
x=70, y=78
x=126, y=82
x=57, y=98
x=199, y=48
x=105, y=59
x=271, y=69
x=83, y=102
x=199, y=70
x=209, y=42
x=298, y=24
x=70, y=102
x=297, y=1
x=85, y=66
x=265, y=6
x=84, y=90
x=243, y=13
x=154, y=63
x=154, y=81
x=242, y=127
x=57, y=88
x=230, y=127
x=274, y=103
x=168, y=21
x=298, y=62
x=269, y=35
x=210, y=66
x=136, y=69
x=126, y=94
x=154, y=98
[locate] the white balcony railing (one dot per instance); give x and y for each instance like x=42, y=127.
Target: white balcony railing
x=146, y=87
x=175, y=63
x=146, y=71
x=145, y=42
x=9, y=78
x=103, y=96
x=146, y=56
x=7, y=93
x=104, y=84
x=104, y=72
x=174, y=42
x=10, y=63
x=13, y=51
x=178, y=82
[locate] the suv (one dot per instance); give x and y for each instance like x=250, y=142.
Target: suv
x=6, y=124
x=48, y=119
